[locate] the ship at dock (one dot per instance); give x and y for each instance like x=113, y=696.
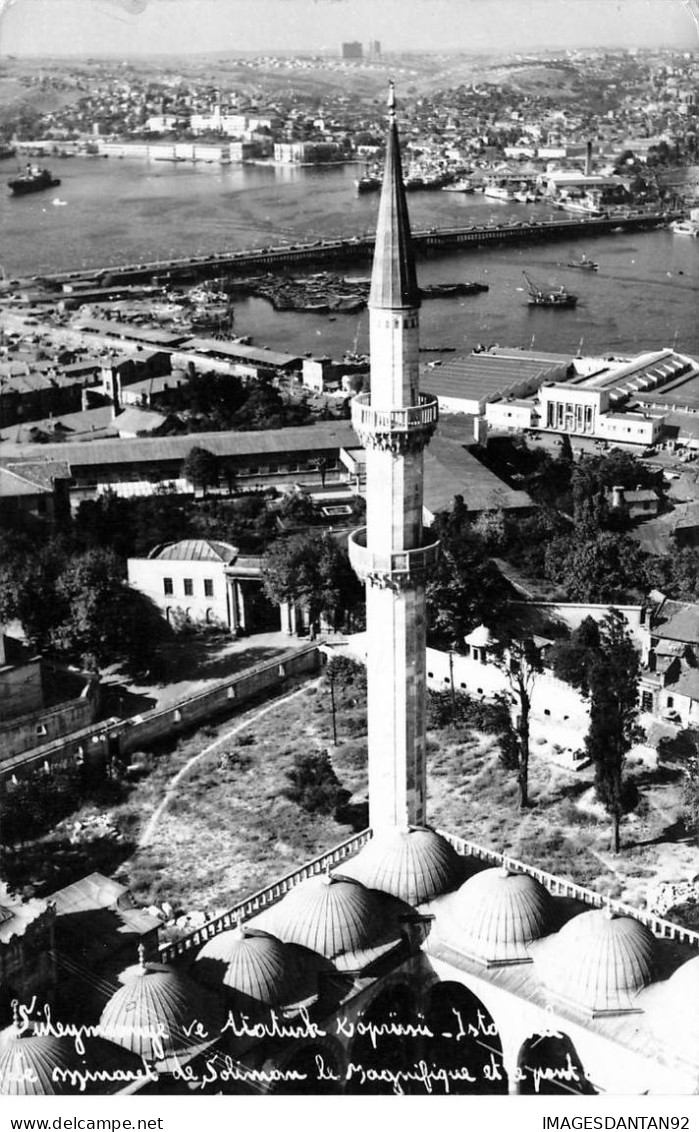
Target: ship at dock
x=33, y=180
x=556, y=297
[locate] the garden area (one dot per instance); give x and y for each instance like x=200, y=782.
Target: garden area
x=268, y=789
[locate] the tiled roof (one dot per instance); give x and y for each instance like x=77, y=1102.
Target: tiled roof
x=196, y=550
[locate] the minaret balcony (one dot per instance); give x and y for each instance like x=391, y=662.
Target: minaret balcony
x=395, y=430
x=398, y=569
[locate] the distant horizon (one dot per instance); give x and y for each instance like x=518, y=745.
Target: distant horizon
x=165, y=28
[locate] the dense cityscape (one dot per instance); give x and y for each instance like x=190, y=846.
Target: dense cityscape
x=349, y=573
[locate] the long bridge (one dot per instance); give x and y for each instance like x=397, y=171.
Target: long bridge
x=352, y=249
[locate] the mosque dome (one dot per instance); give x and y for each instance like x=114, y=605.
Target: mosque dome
x=497, y=913
x=152, y=1014
x=599, y=961
x=412, y=864
x=329, y=915
x=34, y=1065
x=256, y=965
x=668, y=1006
x=27, y=1064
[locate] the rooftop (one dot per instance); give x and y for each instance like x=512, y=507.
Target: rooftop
x=475, y=376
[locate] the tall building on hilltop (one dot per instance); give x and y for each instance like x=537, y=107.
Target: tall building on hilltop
x=394, y=422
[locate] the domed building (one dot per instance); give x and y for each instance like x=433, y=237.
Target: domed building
x=339, y=919
x=598, y=962
x=667, y=1005
x=495, y=915
x=155, y=1011
x=413, y=865
x=253, y=964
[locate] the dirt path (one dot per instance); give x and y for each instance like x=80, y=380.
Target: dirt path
x=147, y=835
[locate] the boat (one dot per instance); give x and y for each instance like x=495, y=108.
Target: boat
x=368, y=183
x=498, y=192
x=684, y=228
x=463, y=185
x=556, y=297
x=33, y=180
x=584, y=263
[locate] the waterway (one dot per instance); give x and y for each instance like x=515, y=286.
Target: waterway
x=645, y=294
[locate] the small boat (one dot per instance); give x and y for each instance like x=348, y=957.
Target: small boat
x=684, y=228
x=463, y=185
x=584, y=263
x=58, y=201
x=556, y=297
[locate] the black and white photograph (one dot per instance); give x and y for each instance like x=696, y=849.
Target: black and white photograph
x=349, y=555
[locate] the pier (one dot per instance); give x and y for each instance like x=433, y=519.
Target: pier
x=349, y=250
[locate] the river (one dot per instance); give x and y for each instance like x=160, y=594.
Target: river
x=126, y=210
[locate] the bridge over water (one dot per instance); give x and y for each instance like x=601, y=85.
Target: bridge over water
x=356, y=249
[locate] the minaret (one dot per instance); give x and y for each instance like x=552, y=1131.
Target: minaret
x=394, y=422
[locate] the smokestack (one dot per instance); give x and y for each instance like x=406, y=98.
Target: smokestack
x=588, y=160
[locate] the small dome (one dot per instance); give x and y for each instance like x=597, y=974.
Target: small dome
x=258, y=966
x=33, y=1065
x=27, y=1064
x=152, y=1013
x=667, y=1006
x=481, y=637
x=598, y=961
x=497, y=913
x=329, y=916
x=412, y=864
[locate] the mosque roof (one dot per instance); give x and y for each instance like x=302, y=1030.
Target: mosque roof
x=412, y=864
x=152, y=1013
x=254, y=964
x=497, y=913
x=481, y=636
x=329, y=915
x=598, y=961
x=667, y=1006
x=393, y=280
x=196, y=550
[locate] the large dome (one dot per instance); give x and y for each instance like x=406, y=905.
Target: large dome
x=598, y=961
x=258, y=966
x=152, y=1014
x=413, y=864
x=329, y=915
x=496, y=913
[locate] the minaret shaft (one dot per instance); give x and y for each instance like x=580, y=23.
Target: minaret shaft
x=394, y=422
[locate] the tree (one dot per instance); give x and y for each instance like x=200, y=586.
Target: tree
x=28, y=589
x=571, y=658
x=99, y=619
x=612, y=677
x=607, y=567
x=312, y=570
x=314, y=785
x=200, y=467
x=519, y=658
x=466, y=588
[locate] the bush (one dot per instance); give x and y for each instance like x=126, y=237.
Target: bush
x=313, y=784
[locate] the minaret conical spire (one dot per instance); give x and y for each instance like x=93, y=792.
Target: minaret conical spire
x=393, y=280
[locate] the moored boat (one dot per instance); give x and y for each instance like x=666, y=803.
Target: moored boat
x=33, y=180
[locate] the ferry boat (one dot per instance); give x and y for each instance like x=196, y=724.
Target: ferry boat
x=33, y=180
x=368, y=183
x=556, y=297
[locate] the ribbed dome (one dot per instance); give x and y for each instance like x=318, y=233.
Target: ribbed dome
x=27, y=1064
x=671, y=1006
x=150, y=1013
x=413, y=864
x=42, y=1065
x=497, y=913
x=329, y=915
x=598, y=961
x=258, y=966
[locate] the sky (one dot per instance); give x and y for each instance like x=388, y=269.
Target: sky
x=132, y=27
